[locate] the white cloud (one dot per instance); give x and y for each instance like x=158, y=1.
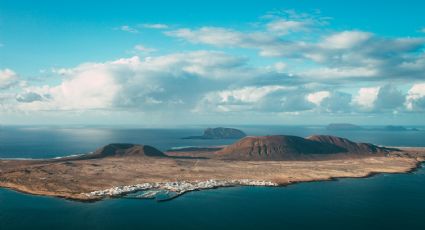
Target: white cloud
x=379, y=99
x=144, y=49
x=283, y=26
x=366, y=97
x=128, y=28
x=222, y=37
x=415, y=99
x=330, y=101
x=280, y=67
x=155, y=26
x=301, y=68
x=258, y=99
x=346, y=54
x=345, y=72
x=209, y=35
x=248, y=94
x=317, y=97
x=8, y=78
x=163, y=82
x=345, y=40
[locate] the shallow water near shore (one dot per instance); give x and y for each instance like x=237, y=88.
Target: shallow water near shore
x=390, y=201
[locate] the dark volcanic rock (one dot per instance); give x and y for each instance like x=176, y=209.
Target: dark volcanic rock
x=277, y=147
x=220, y=133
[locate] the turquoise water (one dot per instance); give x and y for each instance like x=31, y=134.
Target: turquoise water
x=395, y=201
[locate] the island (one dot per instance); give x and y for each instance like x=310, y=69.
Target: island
x=142, y=171
x=399, y=128
x=220, y=133
x=343, y=126
x=352, y=127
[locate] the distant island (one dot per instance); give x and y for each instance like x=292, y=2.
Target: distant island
x=343, y=126
x=347, y=126
x=399, y=128
x=220, y=133
x=143, y=171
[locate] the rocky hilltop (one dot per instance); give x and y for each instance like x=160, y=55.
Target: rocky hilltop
x=347, y=145
x=125, y=150
x=281, y=147
x=220, y=133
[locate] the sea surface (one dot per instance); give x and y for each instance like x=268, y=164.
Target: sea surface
x=385, y=201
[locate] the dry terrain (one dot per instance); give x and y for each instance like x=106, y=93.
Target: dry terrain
x=69, y=179
x=119, y=165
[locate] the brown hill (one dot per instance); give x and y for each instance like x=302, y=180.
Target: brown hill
x=282, y=147
x=125, y=150
x=348, y=145
x=277, y=147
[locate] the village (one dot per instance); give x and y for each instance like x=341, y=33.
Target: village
x=177, y=187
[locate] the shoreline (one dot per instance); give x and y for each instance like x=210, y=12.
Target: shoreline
x=82, y=197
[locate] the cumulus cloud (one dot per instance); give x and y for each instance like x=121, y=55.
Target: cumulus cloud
x=317, y=97
x=169, y=81
x=415, y=100
x=261, y=99
x=307, y=70
x=366, y=97
x=330, y=102
x=8, y=78
x=379, y=98
x=203, y=82
x=337, y=102
x=389, y=98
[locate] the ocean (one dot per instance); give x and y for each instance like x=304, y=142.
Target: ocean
x=385, y=201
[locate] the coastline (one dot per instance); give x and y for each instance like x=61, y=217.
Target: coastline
x=83, y=197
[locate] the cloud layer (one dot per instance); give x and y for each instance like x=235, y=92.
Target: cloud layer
x=299, y=67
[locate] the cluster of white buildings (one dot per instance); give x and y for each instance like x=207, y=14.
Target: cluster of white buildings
x=178, y=187
x=116, y=191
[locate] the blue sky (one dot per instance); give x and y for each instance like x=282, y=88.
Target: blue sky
x=245, y=62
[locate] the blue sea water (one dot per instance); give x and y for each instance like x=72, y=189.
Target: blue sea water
x=385, y=201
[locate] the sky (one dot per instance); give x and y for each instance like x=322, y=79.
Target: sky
x=165, y=63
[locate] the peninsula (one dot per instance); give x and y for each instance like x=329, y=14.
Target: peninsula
x=142, y=171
